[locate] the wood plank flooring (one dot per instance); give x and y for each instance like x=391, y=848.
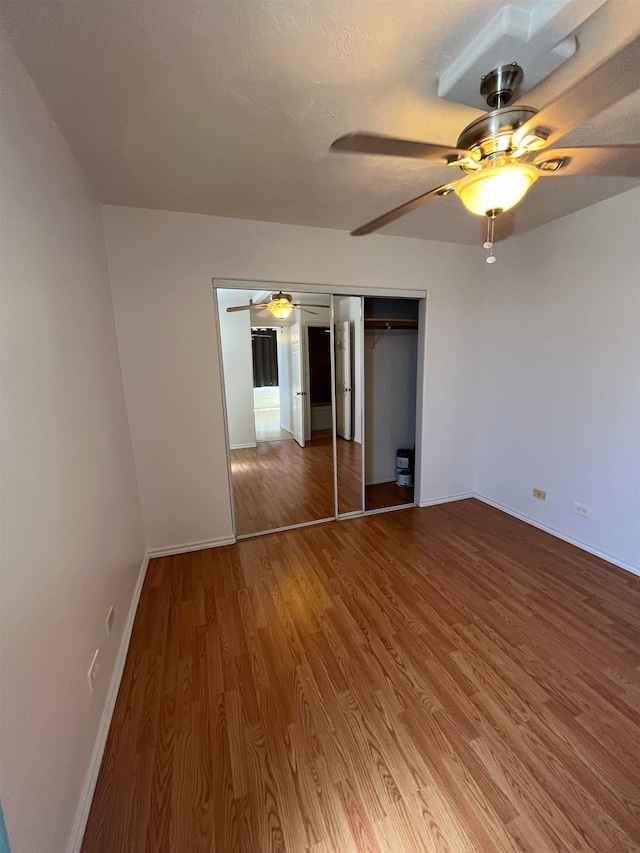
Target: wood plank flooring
x=279, y=483
x=381, y=495
x=443, y=679
x=349, y=460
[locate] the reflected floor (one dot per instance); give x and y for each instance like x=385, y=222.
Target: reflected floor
x=279, y=483
x=268, y=426
x=349, y=456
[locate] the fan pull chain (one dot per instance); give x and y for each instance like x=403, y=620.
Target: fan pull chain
x=488, y=244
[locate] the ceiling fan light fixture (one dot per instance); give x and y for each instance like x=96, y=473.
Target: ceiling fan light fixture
x=496, y=187
x=280, y=306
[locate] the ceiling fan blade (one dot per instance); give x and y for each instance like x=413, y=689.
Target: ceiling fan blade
x=245, y=307
x=622, y=160
x=608, y=83
x=403, y=209
x=371, y=143
x=309, y=305
x=304, y=308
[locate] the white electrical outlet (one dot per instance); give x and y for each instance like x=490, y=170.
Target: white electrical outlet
x=94, y=669
x=581, y=509
x=110, y=618
x=540, y=494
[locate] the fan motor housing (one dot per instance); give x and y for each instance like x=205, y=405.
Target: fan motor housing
x=491, y=133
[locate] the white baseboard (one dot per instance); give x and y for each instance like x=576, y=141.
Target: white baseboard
x=86, y=795
x=447, y=499
x=186, y=547
x=629, y=567
x=242, y=446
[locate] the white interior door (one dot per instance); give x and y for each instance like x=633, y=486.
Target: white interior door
x=343, y=379
x=298, y=407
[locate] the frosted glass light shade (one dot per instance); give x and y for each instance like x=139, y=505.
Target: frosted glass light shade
x=496, y=187
x=280, y=308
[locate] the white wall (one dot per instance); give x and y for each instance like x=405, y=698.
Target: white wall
x=72, y=538
x=560, y=382
x=235, y=339
x=284, y=377
x=161, y=266
x=390, y=363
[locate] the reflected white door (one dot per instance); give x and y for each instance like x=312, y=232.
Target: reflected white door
x=343, y=379
x=297, y=386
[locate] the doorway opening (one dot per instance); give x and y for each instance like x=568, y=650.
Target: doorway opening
x=267, y=412
x=320, y=419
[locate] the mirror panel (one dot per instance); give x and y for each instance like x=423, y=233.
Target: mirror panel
x=347, y=317
x=277, y=380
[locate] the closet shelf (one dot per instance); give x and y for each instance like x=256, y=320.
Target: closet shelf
x=389, y=324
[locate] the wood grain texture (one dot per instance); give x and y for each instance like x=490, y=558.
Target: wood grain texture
x=443, y=679
x=382, y=495
x=349, y=466
x=278, y=483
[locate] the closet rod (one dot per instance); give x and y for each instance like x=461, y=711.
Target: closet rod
x=390, y=324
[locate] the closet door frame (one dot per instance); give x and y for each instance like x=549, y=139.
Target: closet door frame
x=331, y=291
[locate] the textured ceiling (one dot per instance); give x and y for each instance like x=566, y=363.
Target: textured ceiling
x=228, y=107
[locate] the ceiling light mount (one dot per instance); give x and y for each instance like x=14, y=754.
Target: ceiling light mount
x=493, y=133
x=500, y=86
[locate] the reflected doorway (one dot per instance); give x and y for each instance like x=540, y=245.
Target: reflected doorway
x=270, y=422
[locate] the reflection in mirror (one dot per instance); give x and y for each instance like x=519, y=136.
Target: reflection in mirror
x=347, y=316
x=277, y=380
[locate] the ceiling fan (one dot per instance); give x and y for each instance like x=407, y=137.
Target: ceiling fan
x=504, y=151
x=280, y=306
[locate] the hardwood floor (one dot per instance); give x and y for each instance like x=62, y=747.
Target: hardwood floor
x=279, y=483
x=443, y=679
x=349, y=459
x=380, y=495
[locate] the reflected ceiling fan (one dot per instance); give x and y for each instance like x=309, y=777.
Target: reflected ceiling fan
x=504, y=151
x=280, y=306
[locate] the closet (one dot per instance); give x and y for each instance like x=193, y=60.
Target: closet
x=390, y=375
x=317, y=403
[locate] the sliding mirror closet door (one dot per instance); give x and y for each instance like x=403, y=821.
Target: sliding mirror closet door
x=278, y=399
x=347, y=317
